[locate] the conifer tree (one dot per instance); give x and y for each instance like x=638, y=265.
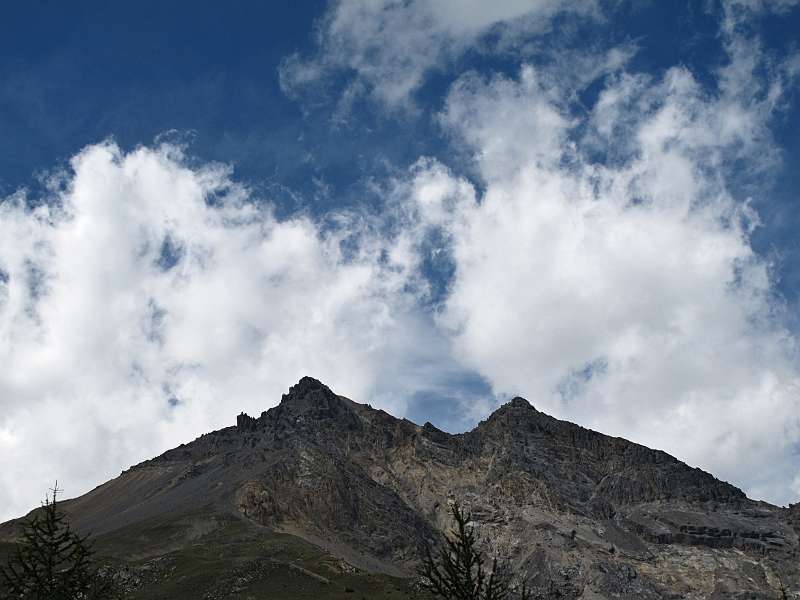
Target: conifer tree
x=52, y=562
x=458, y=571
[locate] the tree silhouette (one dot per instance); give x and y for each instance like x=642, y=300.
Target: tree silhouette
x=458, y=572
x=52, y=562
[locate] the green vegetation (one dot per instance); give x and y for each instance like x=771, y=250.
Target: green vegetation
x=52, y=562
x=207, y=555
x=167, y=559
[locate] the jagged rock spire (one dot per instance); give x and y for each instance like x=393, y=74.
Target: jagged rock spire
x=307, y=400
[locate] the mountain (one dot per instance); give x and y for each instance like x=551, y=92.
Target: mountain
x=323, y=497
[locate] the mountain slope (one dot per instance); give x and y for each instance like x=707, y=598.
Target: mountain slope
x=578, y=513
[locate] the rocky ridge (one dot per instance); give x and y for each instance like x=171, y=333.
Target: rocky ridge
x=578, y=514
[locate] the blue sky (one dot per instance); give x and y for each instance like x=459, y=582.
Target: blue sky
x=430, y=207
x=209, y=78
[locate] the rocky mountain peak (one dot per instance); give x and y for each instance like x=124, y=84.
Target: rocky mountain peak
x=579, y=513
x=519, y=402
x=516, y=406
x=309, y=393
x=512, y=415
x=307, y=403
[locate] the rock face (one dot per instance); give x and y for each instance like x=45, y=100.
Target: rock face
x=578, y=514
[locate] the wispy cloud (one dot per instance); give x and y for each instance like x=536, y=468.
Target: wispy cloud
x=386, y=49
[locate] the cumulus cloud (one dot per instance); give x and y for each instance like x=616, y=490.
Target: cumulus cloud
x=388, y=47
x=606, y=271
x=600, y=256
x=147, y=301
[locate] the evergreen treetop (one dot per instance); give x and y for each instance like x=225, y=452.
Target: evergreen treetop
x=52, y=562
x=458, y=571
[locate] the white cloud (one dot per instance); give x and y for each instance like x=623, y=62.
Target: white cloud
x=147, y=281
x=391, y=46
x=622, y=293
x=604, y=270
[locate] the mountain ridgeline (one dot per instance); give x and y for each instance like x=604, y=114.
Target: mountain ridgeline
x=323, y=497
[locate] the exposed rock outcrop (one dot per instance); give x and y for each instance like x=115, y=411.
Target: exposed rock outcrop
x=579, y=514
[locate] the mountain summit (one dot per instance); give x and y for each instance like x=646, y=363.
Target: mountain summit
x=308, y=399
x=579, y=514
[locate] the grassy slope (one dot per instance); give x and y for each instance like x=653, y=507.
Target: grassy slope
x=209, y=556
x=235, y=560
x=201, y=557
